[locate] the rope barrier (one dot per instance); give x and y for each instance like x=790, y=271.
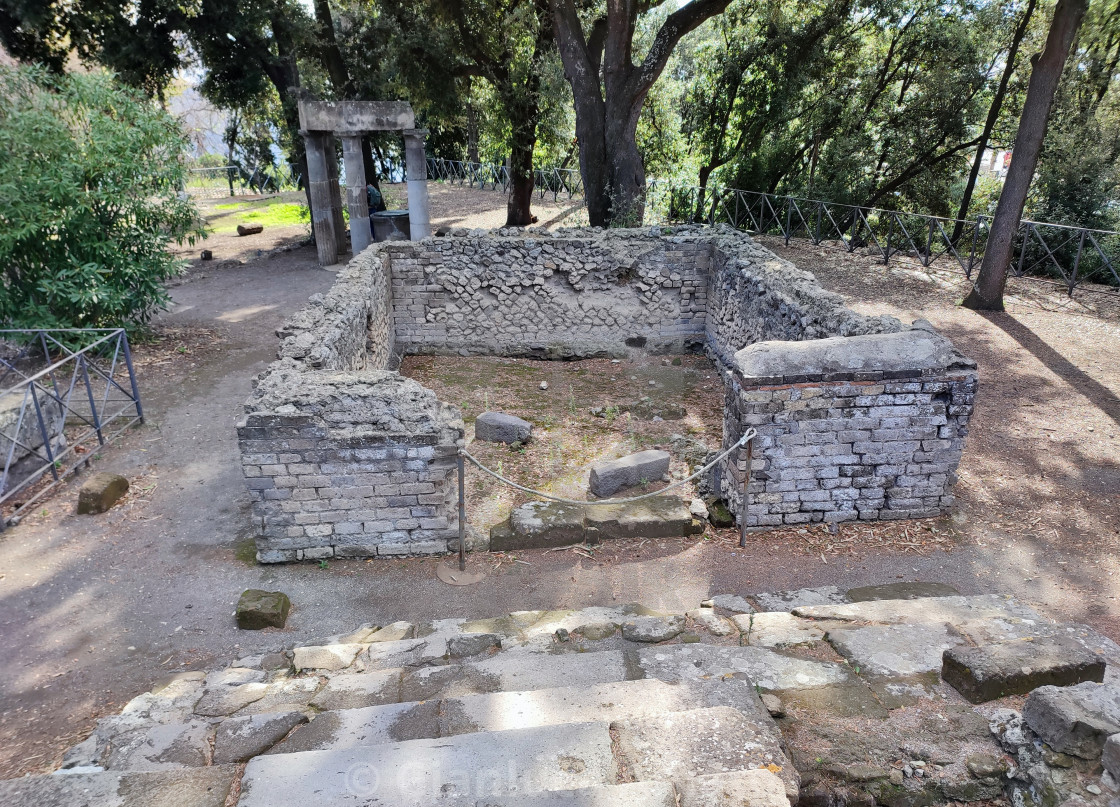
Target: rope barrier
x=748, y=435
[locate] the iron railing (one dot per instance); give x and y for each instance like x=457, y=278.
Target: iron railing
x=63, y=394
x=1071, y=256
x=557, y=182
x=235, y=180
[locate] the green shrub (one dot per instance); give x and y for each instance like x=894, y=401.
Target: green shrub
x=90, y=200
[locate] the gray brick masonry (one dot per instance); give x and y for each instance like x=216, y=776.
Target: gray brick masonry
x=345, y=458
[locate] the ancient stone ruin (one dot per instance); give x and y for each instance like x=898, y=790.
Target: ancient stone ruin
x=857, y=417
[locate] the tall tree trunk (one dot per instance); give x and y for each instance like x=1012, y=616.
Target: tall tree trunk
x=987, y=293
x=607, y=110
x=518, y=207
x=993, y=117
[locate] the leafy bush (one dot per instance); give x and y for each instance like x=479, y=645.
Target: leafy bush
x=89, y=201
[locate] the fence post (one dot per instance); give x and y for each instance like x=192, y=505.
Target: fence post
x=929, y=242
x=890, y=235
x=1076, y=263
x=975, y=240
x=789, y=215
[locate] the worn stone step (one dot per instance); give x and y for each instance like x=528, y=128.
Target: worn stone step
x=685, y=745
x=766, y=669
x=634, y=794
x=499, y=711
x=198, y=787
x=509, y=672
x=450, y=771
x=542, y=524
x=951, y=610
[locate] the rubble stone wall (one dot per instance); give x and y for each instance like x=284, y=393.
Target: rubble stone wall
x=345, y=458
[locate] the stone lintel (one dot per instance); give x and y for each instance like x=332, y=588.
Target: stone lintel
x=914, y=353
x=355, y=117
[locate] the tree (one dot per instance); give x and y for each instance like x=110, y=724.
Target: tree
x=609, y=91
x=92, y=201
x=994, y=109
x=987, y=292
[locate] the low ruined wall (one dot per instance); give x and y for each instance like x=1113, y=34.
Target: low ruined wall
x=868, y=427
x=568, y=295
x=857, y=418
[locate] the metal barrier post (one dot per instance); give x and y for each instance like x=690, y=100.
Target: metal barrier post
x=462, y=512
x=746, y=495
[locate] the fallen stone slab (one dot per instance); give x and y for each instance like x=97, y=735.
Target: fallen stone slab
x=241, y=738
x=541, y=524
x=1015, y=668
x=1110, y=757
x=894, y=650
x=100, y=491
x=420, y=773
x=799, y=598
x=757, y=788
x=249, y=229
x=709, y=620
x=729, y=602
x=471, y=644
x=612, y=476
x=197, y=787
x=683, y=745
x=358, y=690
x=1075, y=720
x=257, y=609
x=325, y=657
x=634, y=794
x=901, y=591
x=498, y=427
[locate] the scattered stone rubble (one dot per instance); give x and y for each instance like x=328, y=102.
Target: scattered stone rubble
x=825, y=702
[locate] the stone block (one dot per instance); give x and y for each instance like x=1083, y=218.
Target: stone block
x=100, y=492
x=645, y=466
x=1018, y=667
x=325, y=657
x=498, y=427
x=241, y=738
x=257, y=609
x=1075, y=720
x=1110, y=758
x=759, y=787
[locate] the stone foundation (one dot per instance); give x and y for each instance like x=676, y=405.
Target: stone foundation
x=345, y=458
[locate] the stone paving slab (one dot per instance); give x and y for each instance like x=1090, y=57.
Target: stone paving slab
x=779, y=629
x=1015, y=668
x=635, y=794
x=953, y=610
x=800, y=598
x=547, y=707
x=355, y=690
x=240, y=738
x=423, y=772
x=198, y=787
x=162, y=746
x=371, y=725
x=764, y=668
x=684, y=745
x=901, y=591
x=508, y=672
x=1075, y=720
x=283, y=695
x=752, y=788
x=895, y=650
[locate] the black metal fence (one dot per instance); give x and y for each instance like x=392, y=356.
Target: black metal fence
x=557, y=182
x=235, y=180
x=1071, y=256
x=63, y=394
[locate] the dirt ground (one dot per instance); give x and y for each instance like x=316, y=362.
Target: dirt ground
x=94, y=610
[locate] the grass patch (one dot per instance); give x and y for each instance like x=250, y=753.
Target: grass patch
x=283, y=214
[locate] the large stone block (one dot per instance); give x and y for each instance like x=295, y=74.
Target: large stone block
x=100, y=492
x=1075, y=720
x=634, y=469
x=545, y=524
x=257, y=609
x=498, y=427
x=1017, y=667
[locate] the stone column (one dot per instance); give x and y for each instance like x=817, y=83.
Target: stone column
x=416, y=172
x=360, y=236
x=336, y=196
x=319, y=182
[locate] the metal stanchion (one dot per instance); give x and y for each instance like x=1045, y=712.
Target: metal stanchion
x=746, y=496
x=445, y=571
